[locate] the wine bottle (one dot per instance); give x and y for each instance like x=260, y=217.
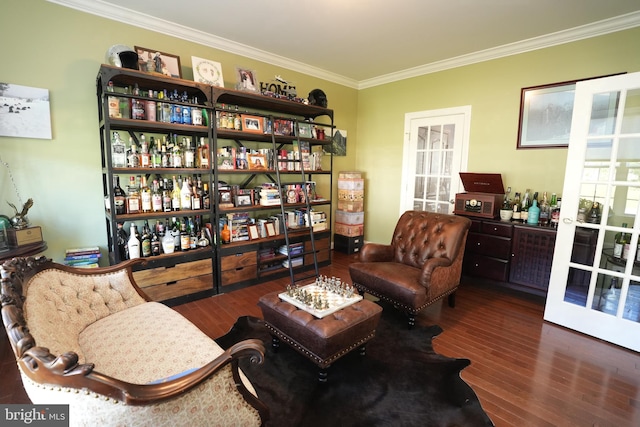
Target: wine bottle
x=119, y=197
x=619, y=243
x=122, y=239
x=145, y=195
x=133, y=196
x=145, y=244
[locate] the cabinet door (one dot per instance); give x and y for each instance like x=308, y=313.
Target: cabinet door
x=532, y=256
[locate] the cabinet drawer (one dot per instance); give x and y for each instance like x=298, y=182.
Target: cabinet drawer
x=163, y=275
x=179, y=288
x=231, y=262
x=322, y=250
x=487, y=267
x=482, y=244
x=497, y=229
x=229, y=277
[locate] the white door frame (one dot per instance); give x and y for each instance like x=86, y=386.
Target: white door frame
x=408, y=158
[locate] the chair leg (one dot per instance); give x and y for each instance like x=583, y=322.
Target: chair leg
x=412, y=321
x=452, y=300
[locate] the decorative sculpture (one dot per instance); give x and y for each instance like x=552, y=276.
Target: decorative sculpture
x=20, y=220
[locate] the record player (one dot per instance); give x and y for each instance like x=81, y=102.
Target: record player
x=483, y=197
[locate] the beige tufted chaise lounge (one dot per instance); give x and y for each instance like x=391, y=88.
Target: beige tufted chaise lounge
x=91, y=339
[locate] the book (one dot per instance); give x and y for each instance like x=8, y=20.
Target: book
x=83, y=251
x=83, y=257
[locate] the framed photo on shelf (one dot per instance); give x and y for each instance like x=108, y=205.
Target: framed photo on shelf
x=243, y=200
x=252, y=124
x=207, y=71
x=270, y=228
x=304, y=130
x=253, y=232
x=246, y=80
x=154, y=61
x=545, y=114
x=257, y=161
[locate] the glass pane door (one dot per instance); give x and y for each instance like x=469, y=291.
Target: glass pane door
x=595, y=281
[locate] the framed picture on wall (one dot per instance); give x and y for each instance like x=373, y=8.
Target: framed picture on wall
x=545, y=114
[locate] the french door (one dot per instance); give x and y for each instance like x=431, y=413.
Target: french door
x=435, y=151
x=593, y=289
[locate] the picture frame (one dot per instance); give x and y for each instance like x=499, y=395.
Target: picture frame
x=305, y=130
x=154, y=61
x=270, y=228
x=252, y=124
x=243, y=200
x=545, y=114
x=207, y=71
x=257, y=161
x=246, y=80
x=253, y=232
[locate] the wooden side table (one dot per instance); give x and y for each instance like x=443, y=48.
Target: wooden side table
x=24, y=250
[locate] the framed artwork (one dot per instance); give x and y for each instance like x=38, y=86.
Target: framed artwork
x=243, y=200
x=271, y=230
x=545, y=115
x=154, y=61
x=305, y=130
x=24, y=111
x=257, y=161
x=246, y=80
x=253, y=124
x=253, y=232
x=338, y=145
x=207, y=71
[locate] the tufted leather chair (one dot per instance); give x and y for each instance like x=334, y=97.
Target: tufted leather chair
x=422, y=265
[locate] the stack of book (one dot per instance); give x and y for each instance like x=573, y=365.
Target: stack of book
x=269, y=195
x=293, y=249
x=238, y=223
x=82, y=257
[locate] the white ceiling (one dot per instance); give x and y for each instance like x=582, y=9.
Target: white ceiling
x=362, y=43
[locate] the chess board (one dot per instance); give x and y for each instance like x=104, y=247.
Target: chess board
x=334, y=300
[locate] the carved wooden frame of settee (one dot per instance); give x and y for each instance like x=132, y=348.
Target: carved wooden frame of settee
x=64, y=371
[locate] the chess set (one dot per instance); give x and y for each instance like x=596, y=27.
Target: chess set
x=322, y=297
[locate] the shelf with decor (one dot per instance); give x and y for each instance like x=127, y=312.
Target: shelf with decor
x=155, y=132
x=272, y=175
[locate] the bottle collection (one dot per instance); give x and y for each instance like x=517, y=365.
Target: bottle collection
x=160, y=194
x=165, y=237
x=152, y=105
x=527, y=209
x=169, y=151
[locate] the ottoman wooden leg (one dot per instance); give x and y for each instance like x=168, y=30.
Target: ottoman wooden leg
x=275, y=343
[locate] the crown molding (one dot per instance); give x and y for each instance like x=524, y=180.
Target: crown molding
x=612, y=25
x=127, y=16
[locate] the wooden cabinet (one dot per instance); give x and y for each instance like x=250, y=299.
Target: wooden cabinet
x=516, y=255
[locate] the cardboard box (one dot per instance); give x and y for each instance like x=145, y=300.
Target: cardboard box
x=351, y=195
x=349, y=230
x=24, y=236
x=350, y=184
x=347, y=206
x=348, y=245
x=349, y=174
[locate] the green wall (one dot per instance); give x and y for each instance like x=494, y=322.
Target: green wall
x=60, y=49
x=54, y=47
x=492, y=89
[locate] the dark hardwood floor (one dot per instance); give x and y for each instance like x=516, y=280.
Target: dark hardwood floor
x=526, y=372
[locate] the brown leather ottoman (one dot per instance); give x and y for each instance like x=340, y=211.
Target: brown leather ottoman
x=324, y=340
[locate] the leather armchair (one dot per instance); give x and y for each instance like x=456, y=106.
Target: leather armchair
x=421, y=265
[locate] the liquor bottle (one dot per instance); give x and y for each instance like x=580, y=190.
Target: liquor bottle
x=118, y=152
x=193, y=235
x=133, y=244
x=156, y=158
x=166, y=109
x=544, y=210
x=145, y=157
x=145, y=195
x=176, y=157
x=133, y=196
x=534, y=213
x=119, y=197
x=203, y=154
x=166, y=197
x=225, y=234
x=168, y=244
x=125, y=108
x=621, y=240
x=122, y=239
x=203, y=242
x=176, y=114
x=186, y=115
x=526, y=203
x=156, y=197
x=175, y=196
x=196, y=114
x=145, y=240
x=156, y=247
x=164, y=157
x=196, y=198
x=113, y=102
x=517, y=213
x=175, y=232
x=185, y=194
x=206, y=200
x=554, y=218
x=134, y=157
x=189, y=153
x=137, y=110
x=185, y=239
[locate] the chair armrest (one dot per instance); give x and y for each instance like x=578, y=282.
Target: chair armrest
x=431, y=268
x=375, y=252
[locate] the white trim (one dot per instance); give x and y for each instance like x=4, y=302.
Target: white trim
x=127, y=16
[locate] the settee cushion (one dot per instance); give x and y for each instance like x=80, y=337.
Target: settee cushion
x=146, y=343
x=56, y=298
